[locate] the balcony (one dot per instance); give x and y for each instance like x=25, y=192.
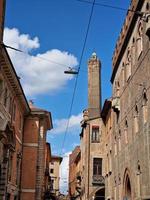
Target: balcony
x=98, y=180
x=116, y=104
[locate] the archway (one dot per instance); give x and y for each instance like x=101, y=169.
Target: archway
x=100, y=194
x=127, y=187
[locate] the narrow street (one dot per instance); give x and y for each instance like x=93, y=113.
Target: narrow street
x=74, y=100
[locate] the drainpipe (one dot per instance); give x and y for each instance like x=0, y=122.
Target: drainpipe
x=21, y=165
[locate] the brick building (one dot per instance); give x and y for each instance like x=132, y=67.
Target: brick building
x=75, y=173
x=131, y=104
x=23, y=148
x=22, y=138
x=13, y=108
x=36, y=125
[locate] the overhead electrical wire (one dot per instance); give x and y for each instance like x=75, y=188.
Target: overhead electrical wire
x=76, y=80
x=37, y=56
x=110, y=6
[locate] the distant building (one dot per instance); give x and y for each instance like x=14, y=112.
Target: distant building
x=75, y=173
x=54, y=167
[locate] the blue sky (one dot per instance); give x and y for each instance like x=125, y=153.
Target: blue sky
x=55, y=30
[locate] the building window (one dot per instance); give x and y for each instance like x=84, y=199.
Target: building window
x=107, y=164
x=52, y=171
x=1, y=87
x=128, y=65
x=147, y=6
x=14, y=112
x=17, y=171
x=5, y=97
x=97, y=166
x=20, y=122
x=126, y=131
x=119, y=140
x=136, y=125
x=118, y=89
x=123, y=75
x=139, y=40
x=10, y=167
x=115, y=146
x=95, y=134
x=10, y=105
x=145, y=109
x=133, y=52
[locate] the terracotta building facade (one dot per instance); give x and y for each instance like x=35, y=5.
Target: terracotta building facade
x=75, y=173
x=131, y=104
x=24, y=153
x=22, y=139
x=34, y=152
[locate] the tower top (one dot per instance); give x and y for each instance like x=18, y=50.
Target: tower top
x=94, y=56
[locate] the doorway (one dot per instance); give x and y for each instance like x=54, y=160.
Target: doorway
x=100, y=194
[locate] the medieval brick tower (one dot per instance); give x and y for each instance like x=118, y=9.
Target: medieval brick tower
x=94, y=86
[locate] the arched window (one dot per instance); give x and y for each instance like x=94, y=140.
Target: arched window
x=139, y=39
x=123, y=74
x=119, y=183
x=119, y=140
x=147, y=6
x=1, y=87
x=5, y=97
x=95, y=134
x=138, y=177
x=128, y=64
x=118, y=89
x=136, y=125
x=110, y=161
x=126, y=131
x=133, y=52
x=115, y=146
x=145, y=108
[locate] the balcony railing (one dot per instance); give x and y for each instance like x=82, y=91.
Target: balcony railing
x=98, y=180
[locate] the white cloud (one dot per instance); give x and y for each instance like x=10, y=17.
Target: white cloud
x=64, y=172
x=61, y=124
x=38, y=76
